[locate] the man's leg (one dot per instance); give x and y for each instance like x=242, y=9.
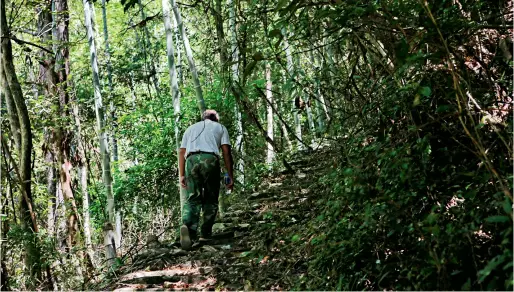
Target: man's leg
x=193, y=204
x=211, y=193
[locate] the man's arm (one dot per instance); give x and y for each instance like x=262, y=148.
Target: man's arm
x=227, y=156
x=182, y=166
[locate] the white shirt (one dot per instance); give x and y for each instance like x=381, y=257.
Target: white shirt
x=206, y=136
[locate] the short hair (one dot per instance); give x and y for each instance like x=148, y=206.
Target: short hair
x=210, y=115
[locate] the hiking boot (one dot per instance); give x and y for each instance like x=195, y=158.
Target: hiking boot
x=185, y=240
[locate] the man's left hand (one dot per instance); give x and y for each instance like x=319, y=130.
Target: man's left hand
x=183, y=183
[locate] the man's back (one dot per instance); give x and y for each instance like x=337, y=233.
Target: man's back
x=206, y=136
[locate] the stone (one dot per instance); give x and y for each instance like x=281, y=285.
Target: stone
x=219, y=227
x=226, y=247
x=301, y=175
x=208, y=248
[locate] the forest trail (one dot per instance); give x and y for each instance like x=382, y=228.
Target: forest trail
x=251, y=248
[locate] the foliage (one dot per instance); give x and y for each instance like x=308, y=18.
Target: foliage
x=418, y=99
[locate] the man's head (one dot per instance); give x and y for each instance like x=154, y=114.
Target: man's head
x=211, y=115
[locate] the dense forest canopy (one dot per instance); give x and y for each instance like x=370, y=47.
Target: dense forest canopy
x=413, y=97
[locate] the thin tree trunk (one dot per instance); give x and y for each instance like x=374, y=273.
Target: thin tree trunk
x=63, y=136
x=153, y=72
x=102, y=135
x=114, y=118
x=109, y=82
x=178, y=63
x=44, y=22
x=328, y=70
x=189, y=55
x=139, y=45
x=308, y=109
x=240, y=165
x=4, y=275
x=14, y=122
x=320, y=101
x=82, y=164
x=290, y=72
x=269, y=96
x=51, y=185
x=175, y=92
x=33, y=253
x=284, y=128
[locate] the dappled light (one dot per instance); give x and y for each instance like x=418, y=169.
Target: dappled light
x=255, y=145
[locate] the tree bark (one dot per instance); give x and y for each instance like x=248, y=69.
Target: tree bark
x=82, y=164
x=153, y=72
x=240, y=165
x=269, y=96
x=114, y=118
x=189, y=55
x=308, y=109
x=290, y=72
x=175, y=92
x=178, y=62
x=33, y=253
x=320, y=101
x=100, y=120
x=14, y=122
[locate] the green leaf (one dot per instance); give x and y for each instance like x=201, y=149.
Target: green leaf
x=249, y=68
x=277, y=44
x=281, y=4
x=295, y=237
x=444, y=108
x=466, y=286
x=416, y=101
x=490, y=267
x=425, y=91
x=275, y=33
x=507, y=207
x=497, y=219
x=258, y=56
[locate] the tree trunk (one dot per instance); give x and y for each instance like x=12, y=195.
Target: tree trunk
x=308, y=109
x=63, y=136
x=114, y=118
x=283, y=126
x=14, y=122
x=33, y=254
x=189, y=55
x=153, y=72
x=44, y=76
x=178, y=62
x=269, y=96
x=175, y=92
x=320, y=101
x=290, y=72
x=240, y=165
x=82, y=164
x=100, y=120
x=51, y=186
x=4, y=275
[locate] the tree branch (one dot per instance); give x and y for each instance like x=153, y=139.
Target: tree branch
x=22, y=42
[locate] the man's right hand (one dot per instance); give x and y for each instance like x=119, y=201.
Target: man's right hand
x=183, y=182
x=230, y=185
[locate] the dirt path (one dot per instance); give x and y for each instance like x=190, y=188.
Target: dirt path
x=252, y=247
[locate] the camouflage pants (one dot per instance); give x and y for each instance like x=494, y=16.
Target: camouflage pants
x=203, y=185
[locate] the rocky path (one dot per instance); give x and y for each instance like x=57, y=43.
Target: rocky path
x=252, y=247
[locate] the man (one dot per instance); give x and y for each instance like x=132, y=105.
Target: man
x=199, y=170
